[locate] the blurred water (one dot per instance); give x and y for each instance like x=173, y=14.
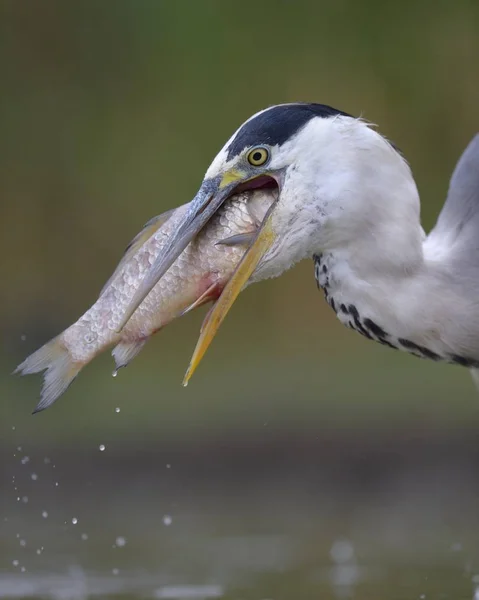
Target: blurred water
x=139, y=527
x=274, y=566
x=388, y=584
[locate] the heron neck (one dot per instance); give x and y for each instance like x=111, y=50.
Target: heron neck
x=386, y=252
x=418, y=305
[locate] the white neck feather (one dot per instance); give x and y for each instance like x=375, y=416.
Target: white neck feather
x=373, y=236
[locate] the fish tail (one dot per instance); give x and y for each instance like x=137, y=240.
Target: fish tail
x=125, y=351
x=60, y=369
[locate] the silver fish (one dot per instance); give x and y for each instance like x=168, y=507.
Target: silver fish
x=198, y=276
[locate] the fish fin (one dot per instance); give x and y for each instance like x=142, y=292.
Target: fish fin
x=61, y=370
x=240, y=239
x=149, y=229
x=210, y=294
x=125, y=352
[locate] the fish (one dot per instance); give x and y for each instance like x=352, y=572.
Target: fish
x=198, y=276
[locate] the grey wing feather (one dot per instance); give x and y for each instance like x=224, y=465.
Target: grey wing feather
x=457, y=227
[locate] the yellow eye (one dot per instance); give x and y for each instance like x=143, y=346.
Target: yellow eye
x=258, y=156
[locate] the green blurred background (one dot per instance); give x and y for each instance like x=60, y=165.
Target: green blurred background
x=110, y=113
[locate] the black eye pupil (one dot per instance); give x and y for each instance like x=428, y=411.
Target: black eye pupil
x=257, y=156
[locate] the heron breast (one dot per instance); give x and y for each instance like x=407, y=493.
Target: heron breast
x=350, y=315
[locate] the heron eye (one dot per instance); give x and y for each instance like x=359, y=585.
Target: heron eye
x=258, y=156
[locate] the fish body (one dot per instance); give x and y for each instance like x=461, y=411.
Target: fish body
x=197, y=276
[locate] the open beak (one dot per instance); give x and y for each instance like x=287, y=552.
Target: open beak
x=212, y=194
x=260, y=244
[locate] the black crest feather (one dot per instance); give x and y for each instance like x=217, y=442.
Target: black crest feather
x=278, y=124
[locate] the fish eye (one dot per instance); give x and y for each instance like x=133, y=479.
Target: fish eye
x=258, y=156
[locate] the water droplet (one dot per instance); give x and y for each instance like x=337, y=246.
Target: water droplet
x=115, y=571
x=120, y=541
x=341, y=551
x=23, y=337
x=45, y=514
x=15, y=563
x=23, y=569
x=168, y=466
x=456, y=547
x=34, y=476
x=23, y=543
x=18, y=498
x=117, y=409
x=25, y=460
x=167, y=520
x=39, y=551
x=101, y=447
x=24, y=499
x=19, y=448
x=46, y=460
x=74, y=520
x=13, y=427
x=115, y=373
x=84, y=536
x=56, y=483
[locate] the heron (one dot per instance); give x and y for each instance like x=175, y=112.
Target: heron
x=347, y=200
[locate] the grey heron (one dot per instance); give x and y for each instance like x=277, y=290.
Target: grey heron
x=348, y=200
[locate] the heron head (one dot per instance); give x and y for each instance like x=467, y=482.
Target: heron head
x=279, y=147
x=308, y=153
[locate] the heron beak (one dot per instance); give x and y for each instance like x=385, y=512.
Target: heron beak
x=260, y=244
x=211, y=195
